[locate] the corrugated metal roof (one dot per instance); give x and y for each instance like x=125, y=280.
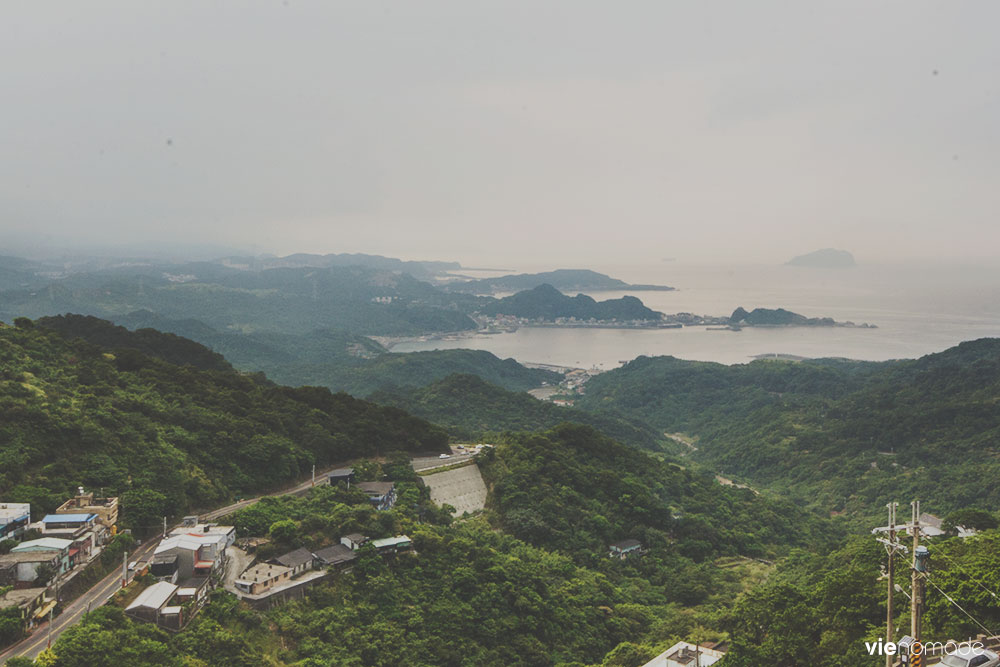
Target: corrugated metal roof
x=295, y=558
x=68, y=518
x=390, y=542
x=154, y=597
x=43, y=544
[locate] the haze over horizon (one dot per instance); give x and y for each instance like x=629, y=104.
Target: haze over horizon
x=567, y=134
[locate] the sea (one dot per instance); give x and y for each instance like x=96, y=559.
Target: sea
x=917, y=308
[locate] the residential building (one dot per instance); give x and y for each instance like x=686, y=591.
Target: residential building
x=262, y=577
x=391, y=545
x=297, y=561
x=381, y=494
x=354, y=541
x=14, y=518
x=341, y=476
x=683, y=654
x=197, y=529
x=198, y=554
x=338, y=556
x=625, y=549
x=106, y=509
x=21, y=569
x=82, y=529
x=28, y=600
x=63, y=548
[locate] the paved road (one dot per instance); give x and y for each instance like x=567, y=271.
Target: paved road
x=424, y=463
x=93, y=598
x=298, y=488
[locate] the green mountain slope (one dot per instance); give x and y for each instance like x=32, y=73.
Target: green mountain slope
x=167, y=437
x=469, y=407
x=574, y=490
x=841, y=435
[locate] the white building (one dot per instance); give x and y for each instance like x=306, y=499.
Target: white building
x=683, y=654
x=198, y=554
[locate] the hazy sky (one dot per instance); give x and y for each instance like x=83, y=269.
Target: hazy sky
x=503, y=132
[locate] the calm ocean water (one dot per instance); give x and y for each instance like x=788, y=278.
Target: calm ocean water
x=918, y=309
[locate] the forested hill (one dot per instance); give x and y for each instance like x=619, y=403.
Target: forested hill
x=547, y=303
x=570, y=280
x=166, y=346
x=338, y=360
x=167, y=437
x=469, y=407
x=574, y=490
x=297, y=300
x=841, y=435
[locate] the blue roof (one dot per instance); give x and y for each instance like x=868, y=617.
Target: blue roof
x=71, y=518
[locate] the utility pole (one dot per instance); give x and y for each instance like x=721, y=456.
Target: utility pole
x=917, y=582
x=49, y=643
x=164, y=527
x=314, y=475
x=891, y=548
x=890, y=573
x=124, y=569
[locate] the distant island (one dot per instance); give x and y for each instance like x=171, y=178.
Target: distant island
x=827, y=258
x=561, y=279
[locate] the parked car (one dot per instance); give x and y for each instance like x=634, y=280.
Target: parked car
x=971, y=657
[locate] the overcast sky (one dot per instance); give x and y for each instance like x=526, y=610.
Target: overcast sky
x=505, y=132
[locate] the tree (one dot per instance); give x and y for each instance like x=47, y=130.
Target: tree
x=143, y=510
x=284, y=531
x=975, y=519
x=44, y=574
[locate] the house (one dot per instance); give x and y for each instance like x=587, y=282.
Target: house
x=683, y=654
x=354, y=541
x=262, y=577
x=381, y=494
x=63, y=548
x=82, y=529
x=229, y=532
x=150, y=603
x=28, y=600
x=106, y=509
x=391, y=545
x=341, y=476
x=338, y=556
x=297, y=561
x=21, y=569
x=625, y=549
x=198, y=554
x=14, y=518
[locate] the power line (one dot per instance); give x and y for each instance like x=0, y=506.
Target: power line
x=976, y=582
x=949, y=598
